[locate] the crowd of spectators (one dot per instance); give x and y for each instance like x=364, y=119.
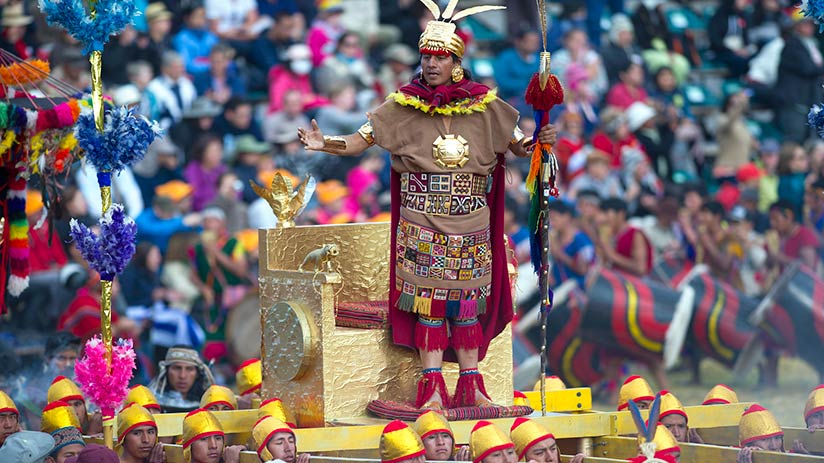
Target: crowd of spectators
x=699, y=130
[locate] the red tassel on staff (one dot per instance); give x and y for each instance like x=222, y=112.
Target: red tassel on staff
x=544, y=96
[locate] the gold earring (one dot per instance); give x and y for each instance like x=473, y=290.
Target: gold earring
x=457, y=73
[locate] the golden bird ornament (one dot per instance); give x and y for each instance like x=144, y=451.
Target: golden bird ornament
x=286, y=203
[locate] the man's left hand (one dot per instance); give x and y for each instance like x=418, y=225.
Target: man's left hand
x=548, y=134
x=232, y=454
x=303, y=458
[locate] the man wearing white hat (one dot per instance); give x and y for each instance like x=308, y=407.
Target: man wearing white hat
x=26, y=447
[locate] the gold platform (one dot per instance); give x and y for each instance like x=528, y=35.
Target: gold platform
x=325, y=373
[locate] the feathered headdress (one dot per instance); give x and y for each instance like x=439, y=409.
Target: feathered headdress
x=439, y=37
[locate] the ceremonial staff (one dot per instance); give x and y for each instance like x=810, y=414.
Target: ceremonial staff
x=544, y=92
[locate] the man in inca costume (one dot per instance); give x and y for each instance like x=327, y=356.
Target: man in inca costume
x=447, y=135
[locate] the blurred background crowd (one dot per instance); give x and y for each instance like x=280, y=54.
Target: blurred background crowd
x=686, y=120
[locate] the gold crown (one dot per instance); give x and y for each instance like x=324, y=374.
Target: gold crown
x=399, y=442
x=264, y=430
x=142, y=396
x=274, y=408
x=430, y=423
x=553, y=383
x=525, y=433
x=250, y=375
x=58, y=415
x=635, y=388
x=671, y=405
x=815, y=402
x=757, y=423
x=198, y=424
x=487, y=438
x=664, y=440
x=439, y=37
x=64, y=389
x=6, y=404
x=131, y=417
x=720, y=394
x=215, y=395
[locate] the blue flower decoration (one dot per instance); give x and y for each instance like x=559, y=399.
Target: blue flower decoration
x=125, y=138
x=816, y=119
x=111, y=17
x=109, y=252
x=814, y=9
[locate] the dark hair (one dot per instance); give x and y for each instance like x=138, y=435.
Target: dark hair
x=61, y=341
x=588, y=193
x=614, y=204
x=785, y=157
x=694, y=187
x=713, y=207
x=818, y=184
x=561, y=207
x=343, y=38
x=141, y=254
x=235, y=102
x=201, y=144
x=785, y=207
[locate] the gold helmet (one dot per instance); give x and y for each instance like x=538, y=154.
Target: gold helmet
x=815, y=402
x=218, y=395
x=720, y=394
x=757, y=423
x=142, y=396
x=264, y=430
x=131, y=417
x=249, y=375
x=664, y=440
x=58, y=415
x=525, y=433
x=635, y=388
x=64, y=389
x=440, y=37
x=487, y=438
x=670, y=405
x=519, y=399
x=553, y=383
x=430, y=423
x=198, y=424
x=399, y=442
x=275, y=408
x=7, y=405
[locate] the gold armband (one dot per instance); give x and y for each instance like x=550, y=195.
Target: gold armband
x=334, y=144
x=367, y=133
x=517, y=135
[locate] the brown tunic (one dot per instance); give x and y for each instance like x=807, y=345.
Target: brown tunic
x=443, y=265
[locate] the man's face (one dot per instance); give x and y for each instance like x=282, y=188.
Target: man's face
x=71, y=450
x=501, y=456
x=560, y=220
x=63, y=360
x=79, y=407
x=438, y=446
x=175, y=69
x=218, y=408
x=642, y=404
x=8, y=425
x=545, y=451
x=778, y=221
x=707, y=218
x=437, y=70
x=677, y=425
x=282, y=447
x=529, y=43
x=207, y=450
x=241, y=116
x=770, y=444
x=816, y=419
x=182, y=376
x=140, y=441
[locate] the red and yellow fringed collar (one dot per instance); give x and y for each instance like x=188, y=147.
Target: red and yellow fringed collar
x=464, y=97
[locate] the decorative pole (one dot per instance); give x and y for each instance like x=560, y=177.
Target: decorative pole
x=544, y=92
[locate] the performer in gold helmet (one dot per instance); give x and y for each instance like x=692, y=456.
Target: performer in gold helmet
x=59, y=420
x=665, y=448
x=447, y=135
x=674, y=417
x=814, y=409
x=534, y=443
x=274, y=407
x=636, y=389
x=204, y=440
x=218, y=399
x=249, y=377
x=275, y=440
x=720, y=394
x=144, y=397
x=64, y=389
x=438, y=439
x=137, y=435
x=488, y=444
x=9, y=417
x=400, y=444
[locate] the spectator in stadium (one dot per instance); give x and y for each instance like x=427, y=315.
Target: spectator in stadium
x=203, y=171
x=292, y=74
x=398, y=68
x=662, y=229
x=735, y=141
x=169, y=214
x=814, y=220
x=238, y=119
x=221, y=81
x=161, y=164
x=768, y=20
x=799, y=80
x=158, y=40
x=573, y=253
x=194, y=41
x=614, y=136
x=793, y=167
x=621, y=48
x=577, y=50
x=287, y=30
x=630, y=88
x=326, y=30
x=642, y=186
x=768, y=154
x=198, y=121
x=239, y=24
x=128, y=48
x=712, y=243
x=597, y=177
x=728, y=33
x=347, y=63
x=171, y=93
x=515, y=65
x=570, y=142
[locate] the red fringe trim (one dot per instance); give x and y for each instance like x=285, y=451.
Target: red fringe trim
x=466, y=390
x=467, y=337
x=429, y=338
x=428, y=386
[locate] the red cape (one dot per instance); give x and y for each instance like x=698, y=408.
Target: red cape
x=499, y=307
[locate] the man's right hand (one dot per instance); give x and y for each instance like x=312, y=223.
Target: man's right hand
x=312, y=139
x=744, y=455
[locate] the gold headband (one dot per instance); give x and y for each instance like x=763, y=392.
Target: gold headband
x=439, y=37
